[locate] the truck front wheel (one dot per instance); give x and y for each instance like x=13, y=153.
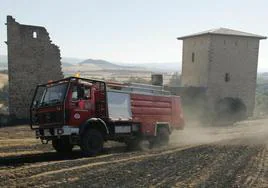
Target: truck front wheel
x=62, y=145
x=91, y=142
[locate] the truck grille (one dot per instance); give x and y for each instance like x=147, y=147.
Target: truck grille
x=50, y=117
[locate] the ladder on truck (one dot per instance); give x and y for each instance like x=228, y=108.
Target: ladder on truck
x=137, y=88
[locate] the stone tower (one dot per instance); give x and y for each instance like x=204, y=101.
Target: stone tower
x=32, y=60
x=223, y=62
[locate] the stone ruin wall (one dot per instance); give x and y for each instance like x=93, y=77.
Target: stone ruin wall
x=32, y=59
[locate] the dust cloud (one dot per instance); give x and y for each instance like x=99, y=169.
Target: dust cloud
x=244, y=132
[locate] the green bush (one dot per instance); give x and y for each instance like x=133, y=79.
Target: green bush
x=261, y=100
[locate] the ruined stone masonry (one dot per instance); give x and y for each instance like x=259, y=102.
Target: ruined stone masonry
x=32, y=59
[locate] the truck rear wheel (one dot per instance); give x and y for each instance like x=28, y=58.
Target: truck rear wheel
x=161, y=139
x=91, y=142
x=62, y=145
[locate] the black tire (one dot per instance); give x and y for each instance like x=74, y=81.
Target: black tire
x=161, y=139
x=62, y=145
x=91, y=142
x=163, y=136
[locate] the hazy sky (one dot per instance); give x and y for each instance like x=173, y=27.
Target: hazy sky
x=134, y=31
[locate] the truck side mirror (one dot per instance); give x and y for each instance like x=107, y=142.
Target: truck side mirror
x=35, y=104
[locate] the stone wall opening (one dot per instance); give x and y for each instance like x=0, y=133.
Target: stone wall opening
x=230, y=109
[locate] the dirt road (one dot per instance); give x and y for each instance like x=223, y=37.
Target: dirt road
x=234, y=156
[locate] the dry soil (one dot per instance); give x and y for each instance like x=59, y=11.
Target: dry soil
x=230, y=156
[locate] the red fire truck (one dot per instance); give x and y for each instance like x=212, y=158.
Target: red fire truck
x=86, y=112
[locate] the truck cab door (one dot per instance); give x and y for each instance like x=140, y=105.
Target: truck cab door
x=80, y=104
x=101, y=109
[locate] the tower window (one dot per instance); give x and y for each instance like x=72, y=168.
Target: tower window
x=236, y=43
x=34, y=34
x=193, y=57
x=227, y=77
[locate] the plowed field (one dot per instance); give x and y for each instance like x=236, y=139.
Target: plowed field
x=232, y=156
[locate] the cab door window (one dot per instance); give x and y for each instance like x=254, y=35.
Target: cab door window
x=87, y=94
x=80, y=93
x=75, y=93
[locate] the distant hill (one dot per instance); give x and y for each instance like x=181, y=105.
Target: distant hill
x=65, y=64
x=100, y=63
x=161, y=67
x=71, y=60
x=90, y=65
x=77, y=64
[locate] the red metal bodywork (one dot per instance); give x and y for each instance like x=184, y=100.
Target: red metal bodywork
x=86, y=108
x=150, y=110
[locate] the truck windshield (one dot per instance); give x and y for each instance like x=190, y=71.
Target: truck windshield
x=50, y=95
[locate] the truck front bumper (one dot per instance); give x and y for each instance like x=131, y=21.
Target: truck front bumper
x=66, y=130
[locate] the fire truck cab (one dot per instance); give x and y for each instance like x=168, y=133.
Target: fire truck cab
x=85, y=112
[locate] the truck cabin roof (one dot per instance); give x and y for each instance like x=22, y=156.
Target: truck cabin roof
x=73, y=79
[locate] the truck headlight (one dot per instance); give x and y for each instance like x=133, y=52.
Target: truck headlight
x=60, y=131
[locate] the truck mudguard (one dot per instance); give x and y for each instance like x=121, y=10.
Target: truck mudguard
x=92, y=122
x=162, y=124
